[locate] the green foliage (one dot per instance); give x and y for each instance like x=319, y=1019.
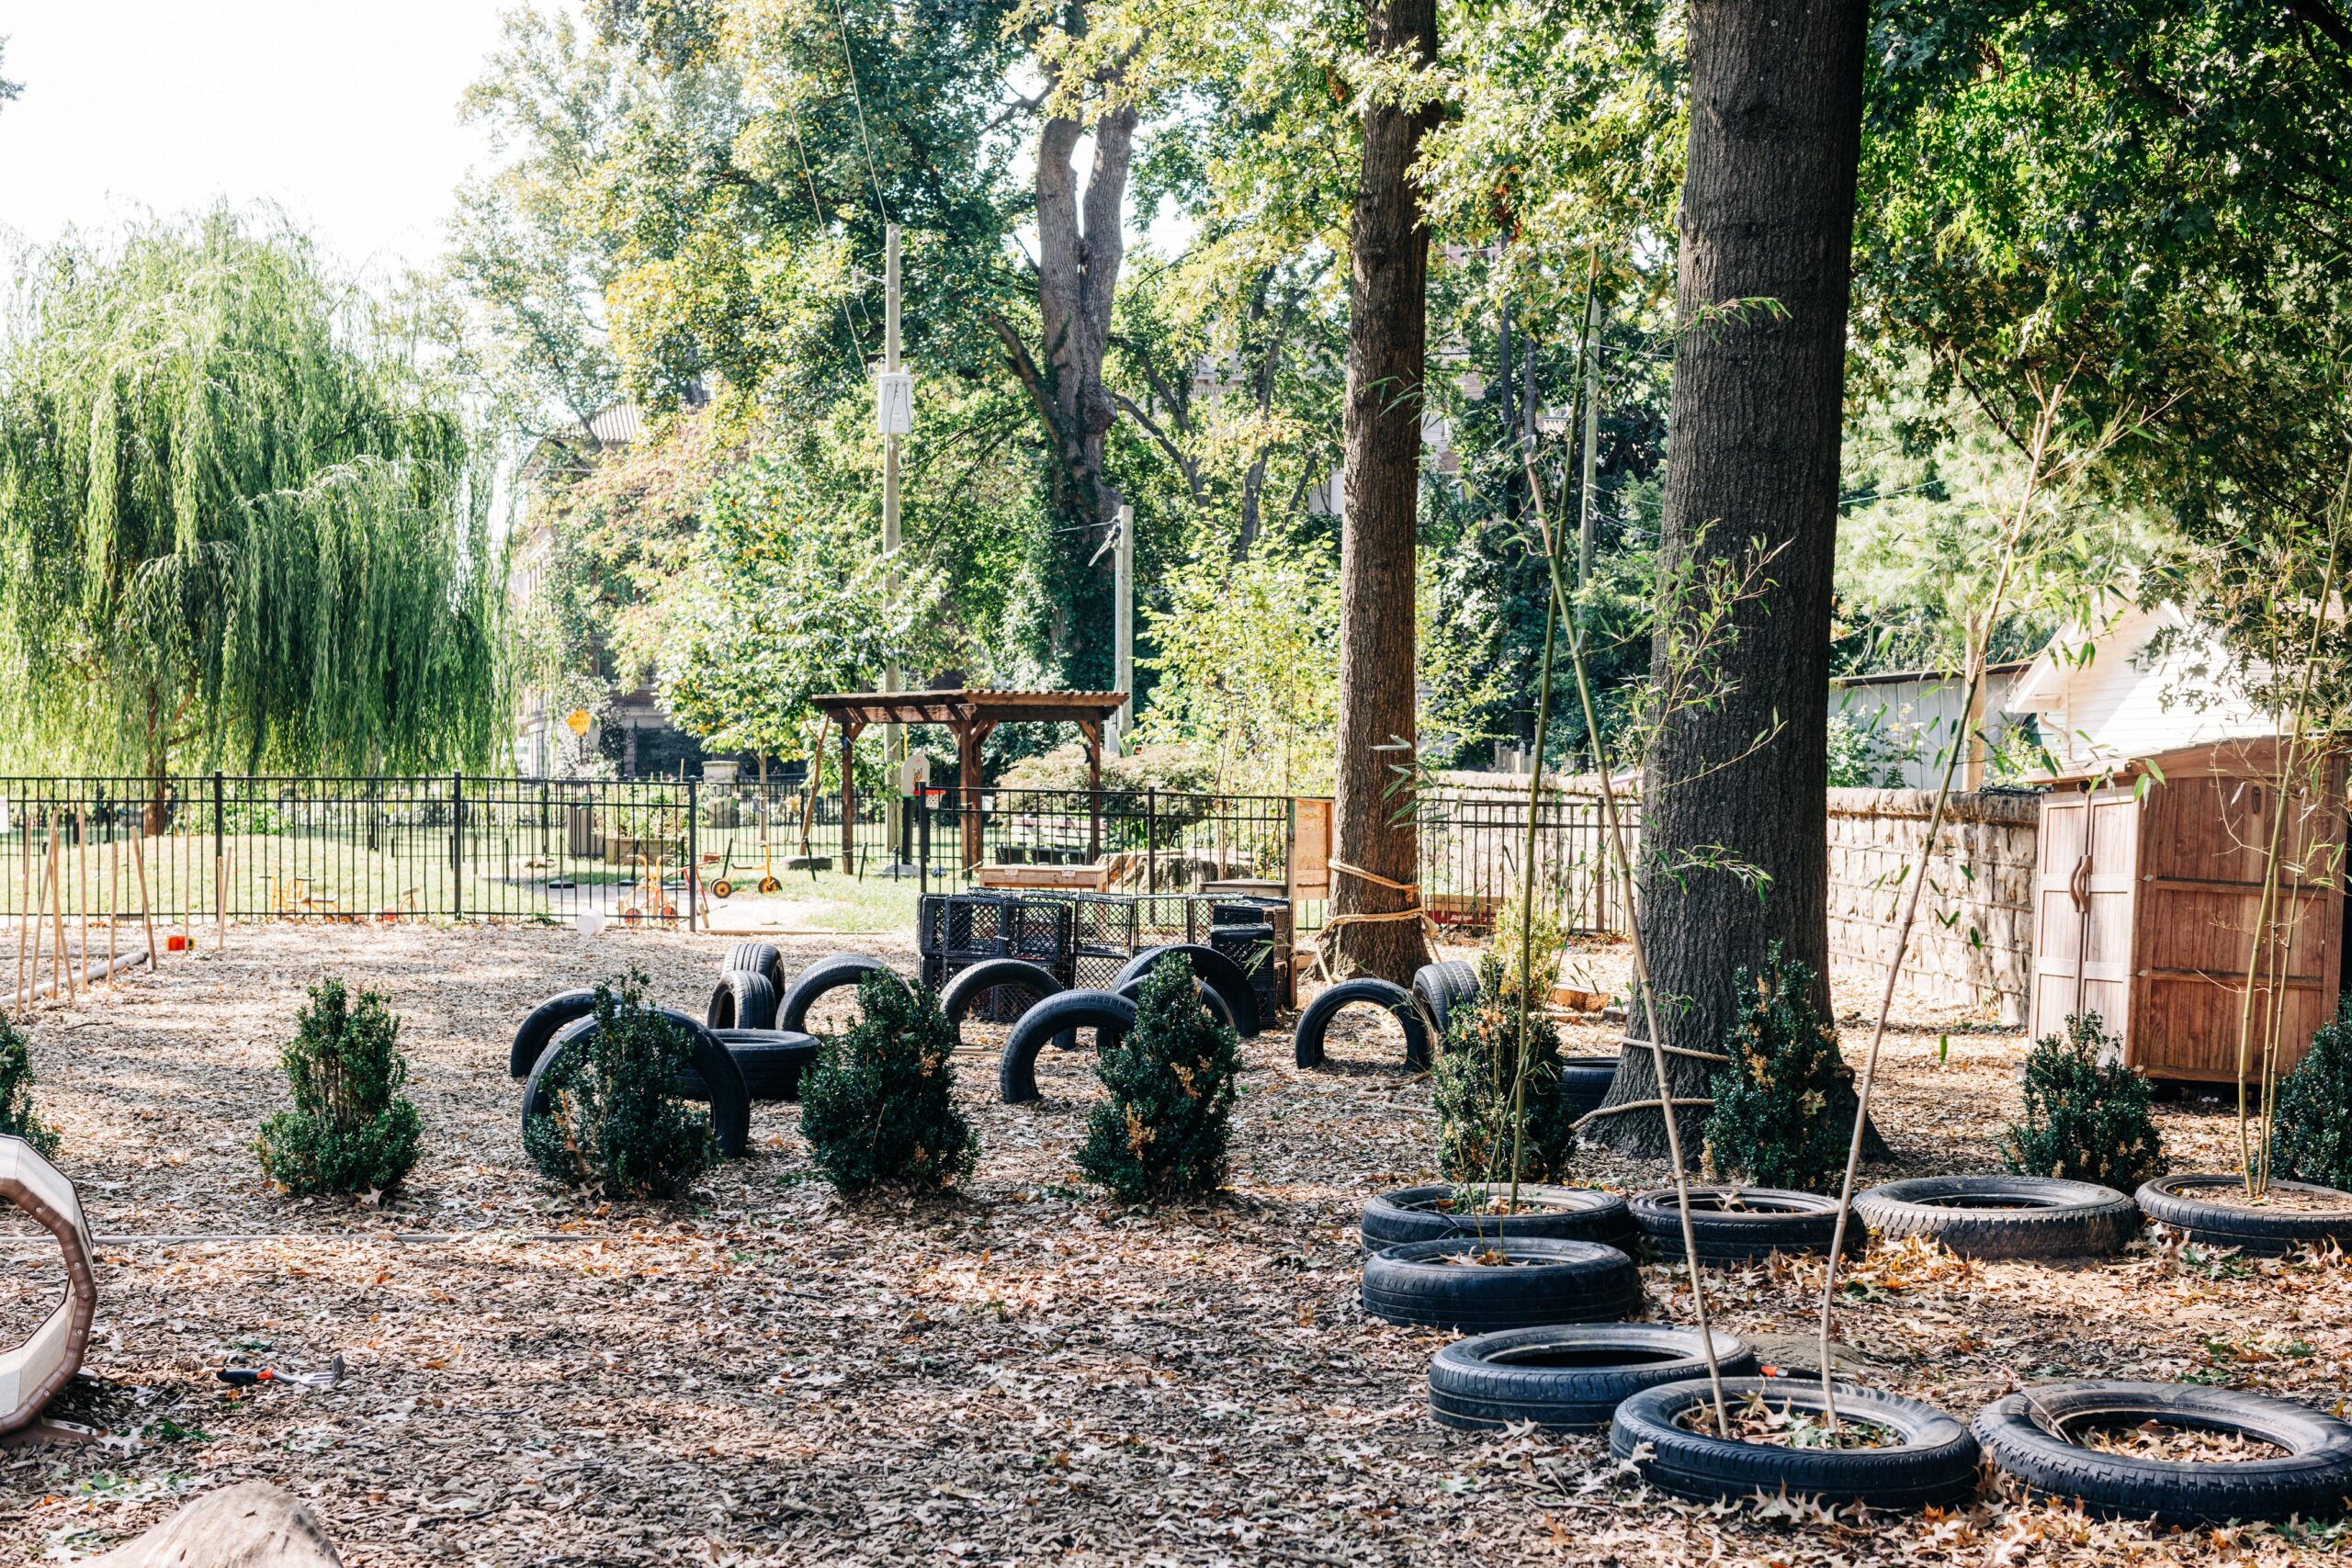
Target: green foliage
x=1546, y=943
x=1165, y=767
x=617, y=1125
x=1784, y=1106
x=19, y=1117
x=2087, y=1114
x=1861, y=755
x=351, y=1129
x=1486, y=1077
x=2311, y=1130
x=878, y=1107
x=237, y=522
x=1164, y=1132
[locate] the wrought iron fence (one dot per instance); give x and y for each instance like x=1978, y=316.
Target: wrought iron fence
x=1474, y=849
x=1146, y=841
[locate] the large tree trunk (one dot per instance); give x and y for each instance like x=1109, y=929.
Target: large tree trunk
x=1374, y=831
x=1752, y=448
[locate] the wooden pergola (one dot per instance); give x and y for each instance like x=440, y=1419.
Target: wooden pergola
x=971, y=715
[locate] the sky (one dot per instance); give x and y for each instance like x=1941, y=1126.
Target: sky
x=343, y=112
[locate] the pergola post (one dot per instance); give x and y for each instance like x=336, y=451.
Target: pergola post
x=850, y=728
x=1092, y=729
x=968, y=738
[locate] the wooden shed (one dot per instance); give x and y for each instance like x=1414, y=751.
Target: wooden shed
x=2147, y=892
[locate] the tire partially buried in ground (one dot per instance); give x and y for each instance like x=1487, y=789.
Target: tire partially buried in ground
x=2266, y=1232
x=1212, y=1001
x=771, y=1060
x=969, y=985
x=1742, y=1224
x=1584, y=1082
x=1210, y=967
x=716, y=1079
x=1996, y=1217
x=1109, y=1016
x=1931, y=1460
x=834, y=972
x=760, y=958
x=1435, y=1284
x=741, y=1000
x=2030, y=1437
x=1443, y=986
x=1563, y=1214
x=1306, y=1039
x=539, y=1026
x=1567, y=1377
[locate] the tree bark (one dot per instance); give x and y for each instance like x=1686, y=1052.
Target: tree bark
x=1376, y=843
x=1767, y=212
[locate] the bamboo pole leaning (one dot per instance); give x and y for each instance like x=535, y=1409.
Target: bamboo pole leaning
x=146, y=910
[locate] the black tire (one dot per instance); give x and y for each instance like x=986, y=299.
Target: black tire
x=1585, y=1080
x=2266, y=1232
x=1548, y=1281
x=1209, y=967
x=1996, y=1217
x=834, y=972
x=760, y=958
x=1934, y=1463
x=1440, y=988
x=538, y=1027
x=967, y=985
x=1562, y=1213
x=771, y=1060
x=2024, y=1433
x=1567, y=1377
x=741, y=1000
x=1211, y=998
x=716, y=1079
x=1016, y=1073
x=1767, y=1220
x=1307, y=1040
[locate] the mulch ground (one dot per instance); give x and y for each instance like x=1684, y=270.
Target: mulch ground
x=1023, y=1375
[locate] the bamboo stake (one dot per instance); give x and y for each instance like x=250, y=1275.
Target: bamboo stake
x=58, y=985
x=114, y=905
x=81, y=876
x=146, y=912
x=24, y=918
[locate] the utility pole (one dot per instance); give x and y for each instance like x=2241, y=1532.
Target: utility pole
x=894, y=412
x=1591, y=433
x=1124, y=569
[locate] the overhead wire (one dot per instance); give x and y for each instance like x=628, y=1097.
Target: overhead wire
x=865, y=139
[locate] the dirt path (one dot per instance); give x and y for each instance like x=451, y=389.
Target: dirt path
x=1023, y=1375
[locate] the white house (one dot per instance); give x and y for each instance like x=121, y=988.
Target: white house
x=2104, y=697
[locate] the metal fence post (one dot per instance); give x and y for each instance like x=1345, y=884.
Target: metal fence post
x=219, y=846
x=456, y=845
x=922, y=841
x=1151, y=839
x=694, y=852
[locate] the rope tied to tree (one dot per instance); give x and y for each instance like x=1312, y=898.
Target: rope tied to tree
x=1657, y=1105
x=1412, y=911
x=1691, y=1051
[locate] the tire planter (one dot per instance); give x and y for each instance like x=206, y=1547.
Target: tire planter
x=967, y=985
x=1935, y=1462
x=1996, y=1217
x=770, y=1060
x=2269, y=1233
x=741, y=1000
x=1562, y=1213
x=1544, y=1282
x=834, y=972
x=1769, y=1220
x=1210, y=996
x=1210, y=967
x=1016, y=1073
x=1567, y=1377
x=2024, y=1433
x=716, y=1078
x=1443, y=986
x=1307, y=1040
x=1585, y=1080
x=539, y=1026
x=759, y=957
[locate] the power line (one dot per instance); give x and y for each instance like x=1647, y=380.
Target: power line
x=865, y=140
x=817, y=207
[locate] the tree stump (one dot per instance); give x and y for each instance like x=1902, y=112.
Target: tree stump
x=253, y=1525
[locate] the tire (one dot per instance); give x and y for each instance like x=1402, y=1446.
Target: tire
x=771, y=1060
x=832, y=973
x=1567, y=1377
x=1585, y=1080
x=1550, y=1282
x=1440, y=988
x=1211, y=967
x=1307, y=1040
x=716, y=1078
x=1769, y=1219
x=2023, y=1436
x=538, y=1027
x=2268, y=1232
x=1561, y=1214
x=1934, y=1463
x=1211, y=998
x=741, y=1000
x=758, y=958
x=967, y=985
x=1065, y=1012
x=1996, y=1217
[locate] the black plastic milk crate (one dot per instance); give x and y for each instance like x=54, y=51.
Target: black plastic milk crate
x=966, y=927
x=1252, y=947
x=998, y=1004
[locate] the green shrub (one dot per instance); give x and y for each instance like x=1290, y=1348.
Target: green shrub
x=877, y=1107
x=1165, y=1130
x=1477, y=1088
x=18, y=1116
x=2311, y=1131
x=1784, y=1104
x=616, y=1123
x=351, y=1129
x=2087, y=1114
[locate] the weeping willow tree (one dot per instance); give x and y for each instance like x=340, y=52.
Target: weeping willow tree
x=238, y=526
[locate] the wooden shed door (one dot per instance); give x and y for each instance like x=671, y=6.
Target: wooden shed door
x=2082, y=929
